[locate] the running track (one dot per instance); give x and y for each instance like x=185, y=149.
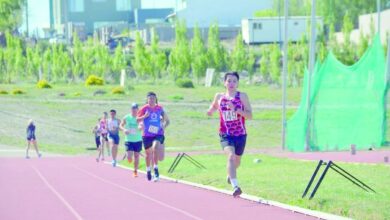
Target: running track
x=80, y=188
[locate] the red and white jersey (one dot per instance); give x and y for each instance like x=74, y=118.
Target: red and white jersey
x=231, y=123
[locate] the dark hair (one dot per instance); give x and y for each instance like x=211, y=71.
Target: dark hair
x=151, y=94
x=113, y=110
x=232, y=74
x=104, y=113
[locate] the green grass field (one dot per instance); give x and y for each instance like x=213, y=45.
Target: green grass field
x=284, y=180
x=64, y=123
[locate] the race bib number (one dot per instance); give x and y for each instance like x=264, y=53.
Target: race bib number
x=153, y=129
x=229, y=115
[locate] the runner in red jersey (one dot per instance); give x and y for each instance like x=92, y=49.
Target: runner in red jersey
x=234, y=108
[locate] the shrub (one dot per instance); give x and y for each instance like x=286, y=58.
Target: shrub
x=93, y=80
x=184, y=83
x=17, y=92
x=176, y=98
x=43, y=84
x=3, y=92
x=118, y=90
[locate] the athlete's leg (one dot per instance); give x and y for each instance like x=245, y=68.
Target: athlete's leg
x=149, y=157
x=130, y=156
x=136, y=161
x=155, y=147
x=101, y=148
x=161, y=152
x=114, y=150
x=237, y=161
x=231, y=162
x=27, y=148
x=35, y=144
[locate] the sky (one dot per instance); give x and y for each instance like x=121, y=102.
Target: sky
x=39, y=12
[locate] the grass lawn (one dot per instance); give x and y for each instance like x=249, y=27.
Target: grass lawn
x=64, y=123
x=284, y=180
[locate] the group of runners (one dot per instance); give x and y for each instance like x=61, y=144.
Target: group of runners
x=141, y=126
x=145, y=126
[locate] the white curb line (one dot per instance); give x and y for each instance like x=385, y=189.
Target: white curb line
x=317, y=214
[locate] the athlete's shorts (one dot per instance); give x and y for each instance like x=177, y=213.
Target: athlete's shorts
x=31, y=138
x=104, y=136
x=114, y=138
x=238, y=142
x=148, y=140
x=133, y=146
x=97, y=141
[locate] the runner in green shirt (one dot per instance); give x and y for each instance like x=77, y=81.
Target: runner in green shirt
x=133, y=137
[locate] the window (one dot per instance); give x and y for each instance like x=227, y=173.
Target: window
x=76, y=5
x=254, y=25
x=123, y=5
x=259, y=26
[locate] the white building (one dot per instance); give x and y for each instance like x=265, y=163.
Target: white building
x=228, y=13
x=271, y=29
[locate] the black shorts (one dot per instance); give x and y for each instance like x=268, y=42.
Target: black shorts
x=97, y=141
x=104, y=136
x=31, y=138
x=238, y=142
x=114, y=138
x=148, y=141
x=133, y=146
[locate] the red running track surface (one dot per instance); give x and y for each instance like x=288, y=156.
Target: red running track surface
x=80, y=188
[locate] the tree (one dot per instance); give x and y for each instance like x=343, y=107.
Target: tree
x=264, y=62
x=141, y=61
x=10, y=14
x=118, y=62
x=198, y=55
x=158, y=58
x=239, y=57
x=250, y=64
x=216, y=52
x=275, y=64
x=180, y=57
x=77, y=55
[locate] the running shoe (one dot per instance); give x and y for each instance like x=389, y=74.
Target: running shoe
x=39, y=155
x=156, y=174
x=113, y=163
x=135, y=174
x=236, y=191
x=97, y=159
x=27, y=157
x=149, y=175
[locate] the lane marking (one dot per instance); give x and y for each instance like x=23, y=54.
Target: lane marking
x=139, y=194
x=60, y=197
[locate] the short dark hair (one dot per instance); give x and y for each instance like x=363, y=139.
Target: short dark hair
x=113, y=110
x=152, y=94
x=232, y=74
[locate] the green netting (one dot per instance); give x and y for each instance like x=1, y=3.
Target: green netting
x=347, y=105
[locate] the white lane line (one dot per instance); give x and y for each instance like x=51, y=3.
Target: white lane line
x=139, y=194
x=60, y=197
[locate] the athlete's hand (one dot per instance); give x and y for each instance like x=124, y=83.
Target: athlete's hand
x=127, y=132
x=147, y=113
x=210, y=112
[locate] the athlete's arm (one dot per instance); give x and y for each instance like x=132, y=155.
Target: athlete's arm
x=142, y=114
x=247, y=112
x=166, y=120
x=122, y=125
x=214, y=105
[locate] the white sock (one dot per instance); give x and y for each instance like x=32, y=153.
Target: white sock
x=148, y=169
x=155, y=166
x=234, y=182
